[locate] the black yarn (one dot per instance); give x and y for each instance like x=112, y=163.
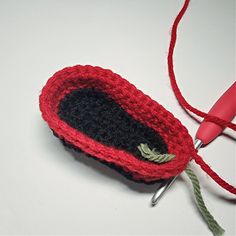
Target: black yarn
x=101, y=118
x=119, y=169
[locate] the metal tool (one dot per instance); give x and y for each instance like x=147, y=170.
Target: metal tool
x=224, y=108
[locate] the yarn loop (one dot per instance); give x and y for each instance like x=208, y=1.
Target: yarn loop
x=182, y=101
x=185, y=105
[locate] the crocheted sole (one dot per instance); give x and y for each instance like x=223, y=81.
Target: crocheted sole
x=102, y=119
x=100, y=113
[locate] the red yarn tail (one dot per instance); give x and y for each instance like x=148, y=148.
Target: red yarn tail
x=187, y=106
x=178, y=94
x=198, y=159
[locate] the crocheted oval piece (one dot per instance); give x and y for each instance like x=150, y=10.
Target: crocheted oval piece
x=96, y=111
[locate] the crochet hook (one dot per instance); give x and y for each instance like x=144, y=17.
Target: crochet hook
x=224, y=108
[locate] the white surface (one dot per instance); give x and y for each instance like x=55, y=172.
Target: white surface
x=43, y=190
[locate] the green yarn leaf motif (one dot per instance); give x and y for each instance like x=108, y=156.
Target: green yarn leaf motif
x=153, y=155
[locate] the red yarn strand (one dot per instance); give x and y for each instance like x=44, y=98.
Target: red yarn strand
x=182, y=101
x=198, y=159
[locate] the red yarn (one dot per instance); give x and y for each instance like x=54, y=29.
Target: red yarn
x=187, y=106
x=198, y=159
x=174, y=85
x=140, y=106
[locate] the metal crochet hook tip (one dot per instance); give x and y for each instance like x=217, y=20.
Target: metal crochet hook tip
x=165, y=185
x=161, y=190
x=198, y=144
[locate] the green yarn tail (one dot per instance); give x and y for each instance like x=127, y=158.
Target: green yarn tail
x=211, y=222
x=154, y=156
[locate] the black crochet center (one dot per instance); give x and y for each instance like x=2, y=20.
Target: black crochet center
x=98, y=116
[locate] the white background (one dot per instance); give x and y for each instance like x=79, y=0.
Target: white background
x=43, y=189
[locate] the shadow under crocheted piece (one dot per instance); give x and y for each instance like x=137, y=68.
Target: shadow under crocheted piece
x=97, y=115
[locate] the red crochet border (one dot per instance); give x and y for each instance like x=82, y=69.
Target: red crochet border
x=140, y=106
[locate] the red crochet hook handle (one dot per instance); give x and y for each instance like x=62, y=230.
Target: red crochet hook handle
x=224, y=108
